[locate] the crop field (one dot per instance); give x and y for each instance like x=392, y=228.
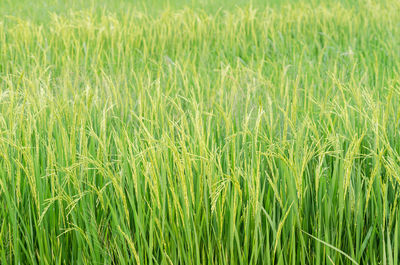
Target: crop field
x=200, y=132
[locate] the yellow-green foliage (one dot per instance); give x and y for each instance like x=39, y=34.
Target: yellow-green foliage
x=250, y=135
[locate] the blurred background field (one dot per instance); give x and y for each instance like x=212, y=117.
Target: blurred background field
x=40, y=10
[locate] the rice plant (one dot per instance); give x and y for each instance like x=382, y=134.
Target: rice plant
x=205, y=133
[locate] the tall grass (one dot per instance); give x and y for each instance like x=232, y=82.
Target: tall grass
x=249, y=136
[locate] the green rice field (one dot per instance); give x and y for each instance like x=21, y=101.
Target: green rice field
x=200, y=132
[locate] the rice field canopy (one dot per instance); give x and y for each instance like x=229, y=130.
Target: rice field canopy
x=177, y=132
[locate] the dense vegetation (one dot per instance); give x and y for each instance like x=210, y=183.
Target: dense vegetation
x=254, y=134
